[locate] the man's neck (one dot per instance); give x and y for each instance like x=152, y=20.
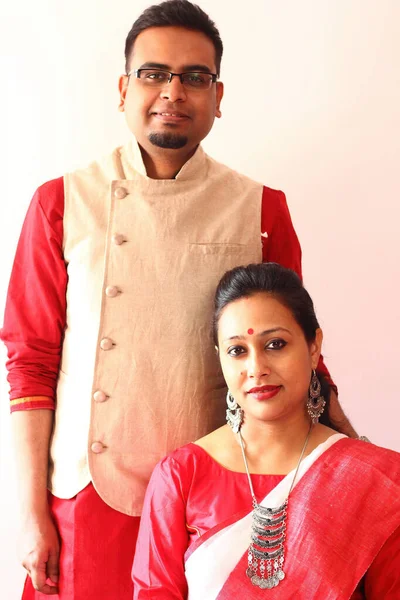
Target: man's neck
x=165, y=164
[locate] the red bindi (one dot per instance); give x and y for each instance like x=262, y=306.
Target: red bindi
x=250, y=331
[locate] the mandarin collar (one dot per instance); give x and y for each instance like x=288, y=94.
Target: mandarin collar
x=133, y=164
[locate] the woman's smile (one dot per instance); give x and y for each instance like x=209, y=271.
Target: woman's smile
x=264, y=392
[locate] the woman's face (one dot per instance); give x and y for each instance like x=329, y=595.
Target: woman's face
x=265, y=358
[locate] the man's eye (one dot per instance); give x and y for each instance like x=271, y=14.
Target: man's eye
x=195, y=77
x=235, y=351
x=276, y=344
x=199, y=80
x=156, y=75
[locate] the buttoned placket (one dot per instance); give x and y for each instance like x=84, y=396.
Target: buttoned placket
x=106, y=343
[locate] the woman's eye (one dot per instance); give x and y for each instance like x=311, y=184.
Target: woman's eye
x=235, y=351
x=276, y=345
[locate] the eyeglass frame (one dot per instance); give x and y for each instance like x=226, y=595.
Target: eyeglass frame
x=136, y=72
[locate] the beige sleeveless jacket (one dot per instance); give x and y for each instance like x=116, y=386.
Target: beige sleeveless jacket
x=139, y=375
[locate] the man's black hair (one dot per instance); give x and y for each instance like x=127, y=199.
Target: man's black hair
x=175, y=13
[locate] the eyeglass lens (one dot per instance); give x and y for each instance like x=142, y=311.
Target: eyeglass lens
x=155, y=77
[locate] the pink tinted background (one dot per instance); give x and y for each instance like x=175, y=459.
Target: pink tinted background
x=311, y=107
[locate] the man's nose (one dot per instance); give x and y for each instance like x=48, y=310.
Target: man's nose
x=174, y=91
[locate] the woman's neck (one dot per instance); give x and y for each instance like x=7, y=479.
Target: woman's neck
x=270, y=448
x=280, y=431
x=275, y=447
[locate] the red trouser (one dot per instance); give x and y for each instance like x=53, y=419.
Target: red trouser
x=97, y=549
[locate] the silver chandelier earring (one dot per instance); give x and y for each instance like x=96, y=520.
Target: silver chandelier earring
x=316, y=402
x=234, y=414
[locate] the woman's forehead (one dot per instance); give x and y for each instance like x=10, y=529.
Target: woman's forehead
x=260, y=310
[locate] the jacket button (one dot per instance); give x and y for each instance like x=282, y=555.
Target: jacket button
x=118, y=239
x=111, y=291
x=120, y=193
x=97, y=447
x=99, y=396
x=106, y=344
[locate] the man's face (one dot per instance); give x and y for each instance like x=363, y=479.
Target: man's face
x=171, y=116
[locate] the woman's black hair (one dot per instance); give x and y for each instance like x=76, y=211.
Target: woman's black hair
x=175, y=13
x=284, y=285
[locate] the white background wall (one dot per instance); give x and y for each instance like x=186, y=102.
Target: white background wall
x=311, y=107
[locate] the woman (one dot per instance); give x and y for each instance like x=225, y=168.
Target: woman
x=326, y=518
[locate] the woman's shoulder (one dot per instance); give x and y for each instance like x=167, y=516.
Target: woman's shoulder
x=196, y=458
x=373, y=451
x=183, y=470
x=178, y=457
x=381, y=459
x=185, y=460
x=216, y=439
x=174, y=474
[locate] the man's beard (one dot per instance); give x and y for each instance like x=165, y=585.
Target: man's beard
x=173, y=141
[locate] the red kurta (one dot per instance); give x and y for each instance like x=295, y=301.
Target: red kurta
x=97, y=549
x=190, y=493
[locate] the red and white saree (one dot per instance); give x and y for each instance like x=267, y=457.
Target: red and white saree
x=343, y=527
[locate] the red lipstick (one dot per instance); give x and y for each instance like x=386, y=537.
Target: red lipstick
x=264, y=392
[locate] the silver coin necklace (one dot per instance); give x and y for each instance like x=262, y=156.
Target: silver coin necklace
x=266, y=553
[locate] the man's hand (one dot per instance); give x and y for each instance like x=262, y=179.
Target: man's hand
x=338, y=417
x=39, y=551
x=39, y=546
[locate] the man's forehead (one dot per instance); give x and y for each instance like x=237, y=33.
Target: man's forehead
x=184, y=67
x=174, y=48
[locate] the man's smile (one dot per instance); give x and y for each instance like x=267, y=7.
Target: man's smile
x=170, y=116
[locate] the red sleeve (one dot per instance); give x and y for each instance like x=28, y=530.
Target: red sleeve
x=158, y=568
x=281, y=244
x=34, y=318
x=383, y=577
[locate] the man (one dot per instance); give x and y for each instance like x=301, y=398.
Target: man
x=111, y=363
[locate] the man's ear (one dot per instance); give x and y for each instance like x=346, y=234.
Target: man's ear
x=123, y=88
x=220, y=93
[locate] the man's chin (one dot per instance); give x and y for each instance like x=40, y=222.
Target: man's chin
x=167, y=140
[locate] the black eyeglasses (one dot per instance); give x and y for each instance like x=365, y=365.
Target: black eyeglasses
x=158, y=78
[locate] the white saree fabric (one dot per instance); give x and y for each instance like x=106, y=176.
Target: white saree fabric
x=210, y=565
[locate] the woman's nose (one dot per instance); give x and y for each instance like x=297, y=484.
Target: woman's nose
x=257, y=366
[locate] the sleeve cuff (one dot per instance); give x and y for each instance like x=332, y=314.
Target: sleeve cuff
x=31, y=403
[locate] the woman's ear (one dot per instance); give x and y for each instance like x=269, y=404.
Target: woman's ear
x=315, y=348
x=216, y=350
